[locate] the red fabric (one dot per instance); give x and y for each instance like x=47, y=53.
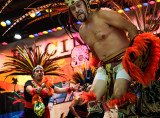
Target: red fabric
x=68, y=89
x=44, y=93
x=47, y=112
x=29, y=105
x=94, y=62
x=127, y=97
x=88, y=96
x=105, y=106
x=139, y=47
x=19, y=100
x=48, y=81
x=33, y=92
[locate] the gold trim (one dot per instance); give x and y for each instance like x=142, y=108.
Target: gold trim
x=115, y=54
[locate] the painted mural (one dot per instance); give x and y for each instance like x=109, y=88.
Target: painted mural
x=12, y=86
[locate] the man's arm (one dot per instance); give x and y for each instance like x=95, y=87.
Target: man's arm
x=74, y=102
x=116, y=20
x=65, y=90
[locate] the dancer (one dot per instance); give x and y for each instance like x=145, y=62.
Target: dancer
x=77, y=108
x=38, y=90
x=104, y=31
x=36, y=87
x=83, y=76
x=108, y=41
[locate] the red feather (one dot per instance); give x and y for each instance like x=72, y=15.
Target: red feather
x=138, y=49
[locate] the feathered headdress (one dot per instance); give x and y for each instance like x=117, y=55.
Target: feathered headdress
x=83, y=76
x=23, y=62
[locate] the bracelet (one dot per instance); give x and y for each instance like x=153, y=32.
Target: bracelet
x=33, y=91
x=69, y=89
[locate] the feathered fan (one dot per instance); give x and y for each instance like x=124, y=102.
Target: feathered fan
x=83, y=76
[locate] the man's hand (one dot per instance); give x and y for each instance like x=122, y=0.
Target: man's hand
x=38, y=90
x=76, y=87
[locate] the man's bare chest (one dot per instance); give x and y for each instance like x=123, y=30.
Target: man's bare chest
x=96, y=33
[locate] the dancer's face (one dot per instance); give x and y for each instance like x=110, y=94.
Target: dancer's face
x=79, y=11
x=38, y=74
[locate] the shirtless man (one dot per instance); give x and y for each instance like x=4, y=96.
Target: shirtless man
x=105, y=32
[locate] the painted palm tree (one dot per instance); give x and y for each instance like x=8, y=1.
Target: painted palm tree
x=14, y=82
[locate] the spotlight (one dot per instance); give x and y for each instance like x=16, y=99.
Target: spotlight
x=151, y=2
x=120, y=11
x=31, y=36
x=40, y=33
x=59, y=28
x=145, y=4
x=133, y=7
x=47, y=10
x=17, y=36
x=49, y=30
x=54, y=29
x=3, y=23
x=126, y=9
x=8, y=22
x=36, y=35
x=139, y=5
x=4, y=43
x=45, y=32
x=32, y=15
x=38, y=13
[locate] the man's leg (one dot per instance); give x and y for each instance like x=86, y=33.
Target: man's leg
x=99, y=83
x=120, y=87
x=98, y=88
x=121, y=83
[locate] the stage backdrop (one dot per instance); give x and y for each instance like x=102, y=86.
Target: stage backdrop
x=62, y=46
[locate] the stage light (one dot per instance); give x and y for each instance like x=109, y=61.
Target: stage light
x=120, y=11
x=4, y=43
x=145, y=4
x=59, y=28
x=8, y=22
x=45, y=32
x=17, y=36
x=47, y=10
x=133, y=7
x=62, y=26
x=49, y=30
x=151, y=2
x=54, y=29
x=40, y=33
x=36, y=35
x=31, y=36
x=38, y=13
x=3, y=23
x=139, y=5
x=158, y=1
x=126, y=9
x=32, y=15
x=79, y=22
